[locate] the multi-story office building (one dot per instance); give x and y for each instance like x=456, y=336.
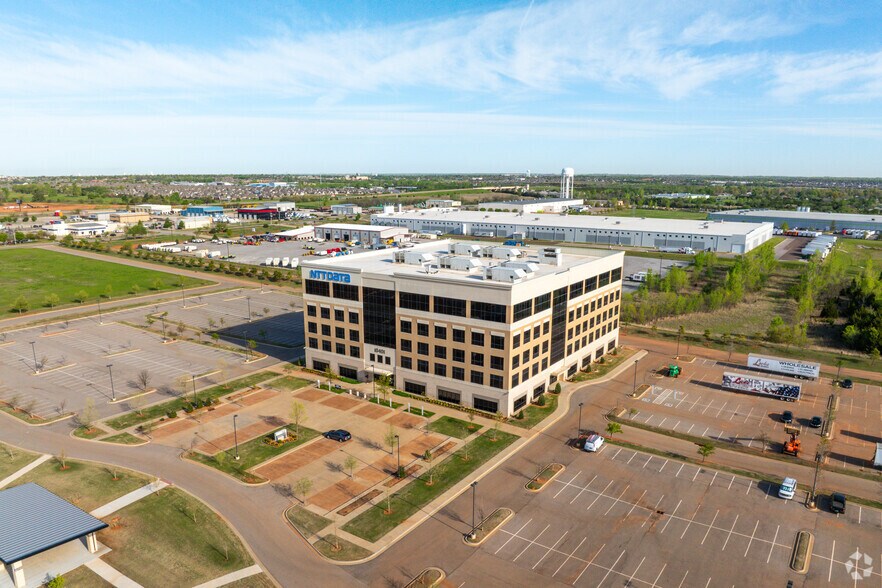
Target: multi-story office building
x=488, y=327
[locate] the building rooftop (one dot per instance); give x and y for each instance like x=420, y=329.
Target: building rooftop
x=34, y=520
x=427, y=261
x=617, y=223
x=797, y=215
x=538, y=201
x=352, y=227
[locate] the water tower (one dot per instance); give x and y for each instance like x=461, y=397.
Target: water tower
x=567, y=175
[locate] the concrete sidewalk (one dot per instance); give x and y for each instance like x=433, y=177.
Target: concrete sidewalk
x=124, y=501
x=111, y=574
x=16, y=475
x=232, y=577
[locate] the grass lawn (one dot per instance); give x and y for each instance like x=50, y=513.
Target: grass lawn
x=83, y=577
x=12, y=459
x=171, y=539
x=123, y=439
x=290, y=383
x=385, y=402
x=598, y=370
x=747, y=318
x=534, y=414
x=415, y=410
x=155, y=411
x=36, y=273
x=252, y=453
x=374, y=523
x=657, y=213
x=340, y=549
x=84, y=433
x=255, y=581
x=306, y=521
x=84, y=484
x=453, y=427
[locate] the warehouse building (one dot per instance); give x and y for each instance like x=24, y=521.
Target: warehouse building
x=352, y=232
x=487, y=327
x=267, y=211
x=534, y=205
x=725, y=237
x=443, y=203
x=214, y=211
x=804, y=219
x=346, y=209
x=60, y=229
x=129, y=217
x=153, y=209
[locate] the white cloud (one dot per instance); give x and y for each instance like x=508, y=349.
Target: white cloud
x=840, y=77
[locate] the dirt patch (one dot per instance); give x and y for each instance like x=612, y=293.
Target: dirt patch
x=172, y=428
x=443, y=449
x=257, y=397
x=359, y=503
x=405, y=420
x=341, y=402
x=296, y=459
x=221, y=411
x=312, y=394
x=373, y=411
x=418, y=447
x=339, y=494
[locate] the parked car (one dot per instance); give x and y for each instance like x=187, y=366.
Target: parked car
x=816, y=422
x=787, y=417
x=593, y=443
x=339, y=435
x=837, y=503
x=788, y=489
x=847, y=384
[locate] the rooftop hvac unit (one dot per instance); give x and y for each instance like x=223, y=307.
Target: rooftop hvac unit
x=461, y=264
x=417, y=258
x=464, y=249
x=398, y=256
x=501, y=273
x=529, y=267
x=504, y=253
x=551, y=256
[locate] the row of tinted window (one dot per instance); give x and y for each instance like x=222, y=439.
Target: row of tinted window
x=342, y=291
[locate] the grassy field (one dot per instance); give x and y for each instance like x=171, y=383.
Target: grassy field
x=86, y=485
x=256, y=581
x=12, y=459
x=306, y=521
x=123, y=439
x=252, y=453
x=658, y=213
x=92, y=433
x=83, y=577
x=333, y=547
x=374, y=523
x=155, y=411
x=38, y=273
x=535, y=414
x=746, y=318
x=858, y=252
x=290, y=383
x=171, y=539
x=452, y=427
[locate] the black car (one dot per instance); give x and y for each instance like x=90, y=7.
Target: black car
x=816, y=422
x=787, y=417
x=847, y=384
x=340, y=435
x=837, y=503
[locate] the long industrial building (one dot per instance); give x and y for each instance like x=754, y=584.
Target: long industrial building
x=488, y=327
x=804, y=219
x=725, y=237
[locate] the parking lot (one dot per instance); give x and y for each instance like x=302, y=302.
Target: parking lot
x=641, y=264
x=695, y=404
x=623, y=518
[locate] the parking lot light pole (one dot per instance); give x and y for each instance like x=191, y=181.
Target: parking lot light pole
x=474, y=486
x=373, y=381
x=635, y=374
x=579, y=432
x=193, y=381
x=34, y=351
x=164, y=338
x=248, y=299
x=236, y=436
x=183, y=299
x=112, y=389
x=398, y=444
x=100, y=321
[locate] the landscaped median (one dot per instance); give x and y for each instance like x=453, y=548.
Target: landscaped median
x=488, y=526
x=252, y=453
x=164, y=409
x=542, y=479
x=381, y=518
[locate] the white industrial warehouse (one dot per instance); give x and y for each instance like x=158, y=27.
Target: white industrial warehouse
x=725, y=237
x=804, y=218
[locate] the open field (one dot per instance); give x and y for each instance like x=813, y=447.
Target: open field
x=658, y=213
x=12, y=459
x=747, y=318
x=38, y=273
x=173, y=532
x=83, y=577
x=858, y=252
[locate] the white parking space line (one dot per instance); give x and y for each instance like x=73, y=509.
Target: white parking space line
x=752, y=535
x=832, y=555
x=573, y=552
x=747, y=418
x=730, y=483
x=513, y=536
x=550, y=549
x=677, y=425
x=673, y=514
x=661, y=424
x=683, y=580
x=609, y=571
x=585, y=487
x=690, y=428
x=735, y=522
x=616, y=500
x=647, y=462
x=631, y=579
x=655, y=582
x=632, y=457
x=707, y=407
x=596, y=498
x=749, y=484
x=617, y=453
x=565, y=486
x=696, y=473
x=709, y=527
x=772, y=546
x=734, y=412
x=678, y=471
x=714, y=479
x=588, y=565
x=531, y=542
x=653, y=511
x=633, y=506
x=663, y=466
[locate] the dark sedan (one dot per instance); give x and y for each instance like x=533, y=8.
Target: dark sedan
x=816, y=422
x=837, y=503
x=787, y=417
x=847, y=384
x=339, y=435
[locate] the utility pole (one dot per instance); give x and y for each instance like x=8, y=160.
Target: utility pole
x=100, y=321
x=579, y=432
x=112, y=389
x=236, y=436
x=248, y=299
x=398, y=444
x=635, y=375
x=34, y=351
x=474, y=486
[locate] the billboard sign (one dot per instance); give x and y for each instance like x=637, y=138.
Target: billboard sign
x=759, y=385
x=330, y=276
x=784, y=366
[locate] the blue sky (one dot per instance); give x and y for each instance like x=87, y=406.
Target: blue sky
x=733, y=88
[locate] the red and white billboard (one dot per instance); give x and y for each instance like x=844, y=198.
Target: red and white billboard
x=766, y=387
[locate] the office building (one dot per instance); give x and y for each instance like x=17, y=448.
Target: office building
x=487, y=327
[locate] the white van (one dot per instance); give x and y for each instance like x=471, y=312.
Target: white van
x=593, y=443
x=788, y=489
x=638, y=277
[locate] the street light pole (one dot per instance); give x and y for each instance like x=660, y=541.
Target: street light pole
x=100, y=321
x=474, y=486
x=373, y=381
x=635, y=374
x=398, y=444
x=248, y=299
x=236, y=436
x=183, y=299
x=579, y=432
x=34, y=351
x=112, y=389
x=193, y=381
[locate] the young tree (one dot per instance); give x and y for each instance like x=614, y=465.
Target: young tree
x=384, y=386
x=302, y=487
x=143, y=380
x=51, y=300
x=252, y=345
x=62, y=459
x=613, y=428
x=471, y=421
x=389, y=438
x=87, y=416
x=21, y=304
x=298, y=416
x=764, y=439
x=706, y=450
x=349, y=463
x=135, y=289
x=81, y=296
x=138, y=403
x=215, y=336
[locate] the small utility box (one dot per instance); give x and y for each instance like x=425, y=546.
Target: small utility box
x=280, y=436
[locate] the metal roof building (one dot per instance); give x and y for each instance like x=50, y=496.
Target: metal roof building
x=534, y=205
x=726, y=237
x=795, y=219
x=34, y=520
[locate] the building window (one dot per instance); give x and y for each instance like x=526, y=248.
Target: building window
x=406, y=362
x=313, y=343
x=406, y=345
x=545, y=347
x=497, y=342
x=570, y=349
x=477, y=339
x=591, y=284
x=528, y=336
x=459, y=335
x=486, y=405
x=326, y=312
x=440, y=352
x=414, y=388
x=449, y=396
x=525, y=374
x=317, y=288
x=338, y=315
x=310, y=310
x=413, y=301
x=535, y=369
x=487, y=311
x=542, y=302
x=522, y=310
x=603, y=279
x=379, y=317
x=458, y=373
x=326, y=330
x=353, y=317
x=440, y=332
x=538, y=390
x=516, y=341
x=616, y=275
x=353, y=335
x=326, y=346
x=495, y=381
x=339, y=349
x=576, y=289
x=312, y=327
x=536, y=332
x=346, y=292
x=450, y=306
x=496, y=362
x=406, y=326
x=459, y=355
x=422, y=348
x=339, y=332
x=423, y=366
x=526, y=356
x=441, y=370
x=422, y=329
x=348, y=372
x=515, y=380
x=515, y=361
x=520, y=403
x=476, y=377
x=478, y=359
x=355, y=351
x=320, y=366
